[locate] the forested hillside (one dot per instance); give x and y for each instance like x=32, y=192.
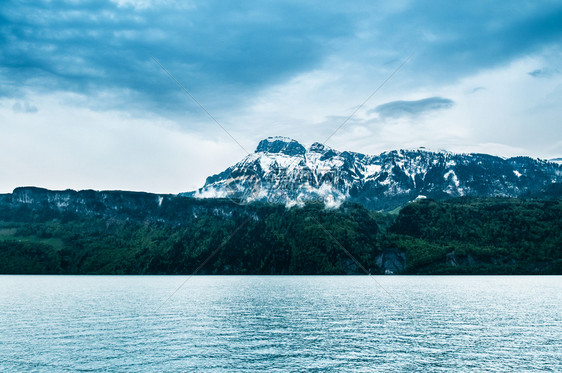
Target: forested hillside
x=481, y=235
x=262, y=240
x=462, y=236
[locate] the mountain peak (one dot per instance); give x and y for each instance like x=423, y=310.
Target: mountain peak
x=280, y=144
x=318, y=148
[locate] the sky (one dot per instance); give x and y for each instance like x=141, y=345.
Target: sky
x=90, y=94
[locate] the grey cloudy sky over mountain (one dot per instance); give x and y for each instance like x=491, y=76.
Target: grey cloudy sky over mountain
x=84, y=105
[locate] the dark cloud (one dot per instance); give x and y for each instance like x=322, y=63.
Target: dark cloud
x=452, y=40
x=542, y=73
x=216, y=49
x=460, y=38
x=396, y=109
x=223, y=52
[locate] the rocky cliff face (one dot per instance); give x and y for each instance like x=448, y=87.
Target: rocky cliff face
x=283, y=171
x=121, y=205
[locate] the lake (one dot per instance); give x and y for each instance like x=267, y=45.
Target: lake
x=280, y=323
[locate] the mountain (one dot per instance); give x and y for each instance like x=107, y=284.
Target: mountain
x=281, y=170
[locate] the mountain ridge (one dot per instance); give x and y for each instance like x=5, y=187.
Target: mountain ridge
x=281, y=170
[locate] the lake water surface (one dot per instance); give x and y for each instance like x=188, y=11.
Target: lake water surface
x=279, y=324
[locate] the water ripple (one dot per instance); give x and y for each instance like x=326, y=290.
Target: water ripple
x=279, y=324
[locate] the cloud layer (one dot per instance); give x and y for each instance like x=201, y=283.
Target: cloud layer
x=396, y=109
x=103, y=49
x=226, y=51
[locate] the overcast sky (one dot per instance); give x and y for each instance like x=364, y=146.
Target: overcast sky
x=84, y=105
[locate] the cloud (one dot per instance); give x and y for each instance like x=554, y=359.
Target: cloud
x=542, y=73
x=218, y=51
x=469, y=37
x=25, y=107
x=226, y=53
x=112, y=152
x=477, y=89
x=396, y=109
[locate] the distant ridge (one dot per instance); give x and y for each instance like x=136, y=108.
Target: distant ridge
x=282, y=170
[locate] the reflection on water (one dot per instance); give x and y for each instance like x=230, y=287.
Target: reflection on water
x=250, y=323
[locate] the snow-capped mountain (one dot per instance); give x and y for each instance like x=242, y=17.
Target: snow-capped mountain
x=283, y=171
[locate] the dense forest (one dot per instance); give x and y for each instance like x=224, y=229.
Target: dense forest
x=458, y=236
x=481, y=235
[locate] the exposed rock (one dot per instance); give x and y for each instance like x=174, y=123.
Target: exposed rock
x=391, y=261
x=455, y=259
x=120, y=205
